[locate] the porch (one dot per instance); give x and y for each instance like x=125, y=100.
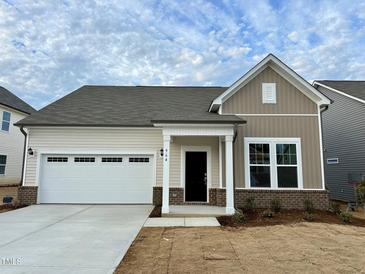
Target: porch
x=199, y=182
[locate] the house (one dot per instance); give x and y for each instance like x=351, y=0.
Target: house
x=343, y=136
x=12, y=142
x=260, y=137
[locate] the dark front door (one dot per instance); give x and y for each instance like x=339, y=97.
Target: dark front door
x=195, y=176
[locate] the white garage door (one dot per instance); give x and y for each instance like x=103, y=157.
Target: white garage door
x=96, y=179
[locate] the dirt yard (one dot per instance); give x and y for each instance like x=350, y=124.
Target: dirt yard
x=297, y=248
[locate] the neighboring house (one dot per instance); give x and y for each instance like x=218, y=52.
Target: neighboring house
x=12, y=141
x=343, y=136
x=260, y=137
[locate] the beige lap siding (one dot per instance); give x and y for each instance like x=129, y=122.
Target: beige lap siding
x=96, y=139
x=305, y=128
x=175, y=157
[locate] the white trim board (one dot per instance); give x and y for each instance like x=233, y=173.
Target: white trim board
x=281, y=68
x=276, y=114
x=206, y=149
x=339, y=92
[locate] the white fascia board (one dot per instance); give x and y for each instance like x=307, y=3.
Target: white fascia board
x=339, y=92
x=271, y=61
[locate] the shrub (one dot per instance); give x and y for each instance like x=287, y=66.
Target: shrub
x=249, y=205
x=308, y=216
x=275, y=205
x=308, y=206
x=238, y=217
x=360, y=193
x=267, y=213
x=346, y=217
x=335, y=207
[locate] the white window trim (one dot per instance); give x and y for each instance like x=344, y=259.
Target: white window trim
x=330, y=161
x=1, y=175
x=273, y=165
x=273, y=87
x=206, y=149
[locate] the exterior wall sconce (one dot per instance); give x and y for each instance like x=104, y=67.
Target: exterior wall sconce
x=161, y=152
x=30, y=151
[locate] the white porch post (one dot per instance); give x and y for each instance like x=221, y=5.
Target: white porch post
x=166, y=173
x=229, y=175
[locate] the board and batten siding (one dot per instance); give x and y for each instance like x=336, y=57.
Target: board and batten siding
x=343, y=138
x=86, y=139
x=12, y=145
x=289, y=100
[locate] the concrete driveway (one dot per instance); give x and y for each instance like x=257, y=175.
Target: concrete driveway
x=68, y=238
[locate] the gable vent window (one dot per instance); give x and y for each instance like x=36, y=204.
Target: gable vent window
x=139, y=160
x=84, y=160
x=269, y=93
x=57, y=159
x=112, y=159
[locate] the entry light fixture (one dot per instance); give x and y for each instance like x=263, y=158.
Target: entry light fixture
x=30, y=151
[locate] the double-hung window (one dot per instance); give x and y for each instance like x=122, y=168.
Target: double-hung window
x=2, y=164
x=273, y=163
x=5, y=124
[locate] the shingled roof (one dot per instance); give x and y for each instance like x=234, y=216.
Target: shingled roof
x=353, y=88
x=10, y=100
x=131, y=106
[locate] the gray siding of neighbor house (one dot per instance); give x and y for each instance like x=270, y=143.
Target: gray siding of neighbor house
x=343, y=138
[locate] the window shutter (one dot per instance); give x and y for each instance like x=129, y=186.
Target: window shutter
x=269, y=93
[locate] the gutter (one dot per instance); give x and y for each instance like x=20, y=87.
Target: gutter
x=24, y=152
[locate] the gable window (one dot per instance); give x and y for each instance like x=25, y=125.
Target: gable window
x=269, y=93
x=5, y=125
x=273, y=163
x=2, y=164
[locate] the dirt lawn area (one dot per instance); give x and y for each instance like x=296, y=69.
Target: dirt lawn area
x=298, y=248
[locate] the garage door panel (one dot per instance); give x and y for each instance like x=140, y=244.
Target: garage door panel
x=96, y=182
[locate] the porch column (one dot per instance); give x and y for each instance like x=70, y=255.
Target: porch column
x=229, y=175
x=166, y=173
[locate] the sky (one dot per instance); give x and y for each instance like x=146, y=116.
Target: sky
x=50, y=48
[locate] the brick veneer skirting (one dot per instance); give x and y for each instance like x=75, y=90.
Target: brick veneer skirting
x=290, y=199
x=27, y=195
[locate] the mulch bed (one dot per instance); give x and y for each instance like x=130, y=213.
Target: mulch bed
x=156, y=212
x=293, y=216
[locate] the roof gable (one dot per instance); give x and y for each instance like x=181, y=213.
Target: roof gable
x=283, y=70
x=10, y=100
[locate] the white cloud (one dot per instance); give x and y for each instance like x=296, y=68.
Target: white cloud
x=50, y=48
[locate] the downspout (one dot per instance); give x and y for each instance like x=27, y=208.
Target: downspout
x=321, y=110
x=24, y=153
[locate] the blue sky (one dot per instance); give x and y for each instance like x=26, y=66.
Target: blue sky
x=49, y=48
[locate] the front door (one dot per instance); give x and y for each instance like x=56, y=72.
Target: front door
x=196, y=176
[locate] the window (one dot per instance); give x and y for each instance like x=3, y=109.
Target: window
x=273, y=163
x=332, y=161
x=139, y=160
x=84, y=159
x=57, y=159
x=5, y=125
x=2, y=164
x=260, y=165
x=269, y=93
x=112, y=159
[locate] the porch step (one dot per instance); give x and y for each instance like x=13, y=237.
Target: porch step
x=195, y=211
